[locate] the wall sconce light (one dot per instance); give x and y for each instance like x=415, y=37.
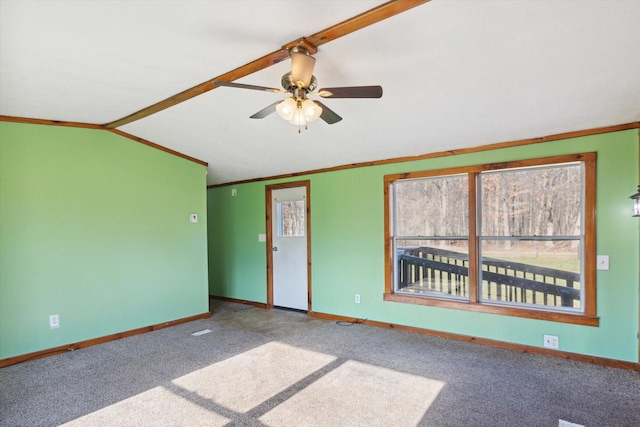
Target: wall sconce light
x=636, y=202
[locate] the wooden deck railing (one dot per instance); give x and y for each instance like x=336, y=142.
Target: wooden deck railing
x=432, y=270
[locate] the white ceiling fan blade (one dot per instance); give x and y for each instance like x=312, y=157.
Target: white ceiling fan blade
x=302, y=68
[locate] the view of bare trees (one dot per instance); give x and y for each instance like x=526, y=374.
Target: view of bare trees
x=528, y=232
x=291, y=218
x=526, y=215
x=432, y=207
x=532, y=202
x=525, y=202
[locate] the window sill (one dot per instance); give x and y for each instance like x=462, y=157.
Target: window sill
x=551, y=316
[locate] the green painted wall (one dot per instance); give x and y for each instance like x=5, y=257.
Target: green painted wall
x=94, y=227
x=235, y=256
x=348, y=253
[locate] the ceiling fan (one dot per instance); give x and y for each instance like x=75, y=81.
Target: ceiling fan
x=300, y=83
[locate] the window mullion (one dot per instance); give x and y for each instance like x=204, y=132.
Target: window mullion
x=473, y=239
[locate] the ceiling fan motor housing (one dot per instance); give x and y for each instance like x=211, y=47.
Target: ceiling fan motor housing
x=289, y=85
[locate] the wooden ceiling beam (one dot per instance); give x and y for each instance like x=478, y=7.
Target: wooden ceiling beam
x=250, y=68
x=358, y=22
x=303, y=43
x=311, y=43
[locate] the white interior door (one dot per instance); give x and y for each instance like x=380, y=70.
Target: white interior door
x=289, y=246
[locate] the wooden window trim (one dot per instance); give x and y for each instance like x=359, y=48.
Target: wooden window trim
x=587, y=318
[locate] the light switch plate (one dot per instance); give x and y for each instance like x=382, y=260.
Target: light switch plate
x=262, y=237
x=54, y=321
x=602, y=262
x=193, y=218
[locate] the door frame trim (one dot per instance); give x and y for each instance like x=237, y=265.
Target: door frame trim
x=269, y=220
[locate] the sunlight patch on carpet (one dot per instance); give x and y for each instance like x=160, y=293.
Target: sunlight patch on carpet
x=154, y=407
x=358, y=394
x=242, y=382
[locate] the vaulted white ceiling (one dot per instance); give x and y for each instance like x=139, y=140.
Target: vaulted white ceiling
x=455, y=74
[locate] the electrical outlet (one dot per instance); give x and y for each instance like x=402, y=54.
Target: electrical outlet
x=357, y=298
x=234, y=192
x=551, y=341
x=54, y=321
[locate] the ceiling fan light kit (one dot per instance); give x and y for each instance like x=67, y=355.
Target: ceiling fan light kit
x=311, y=110
x=299, y=83
x=298, y=112
x=286, y=108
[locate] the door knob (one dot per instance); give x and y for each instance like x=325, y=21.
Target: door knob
x=275, y=249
